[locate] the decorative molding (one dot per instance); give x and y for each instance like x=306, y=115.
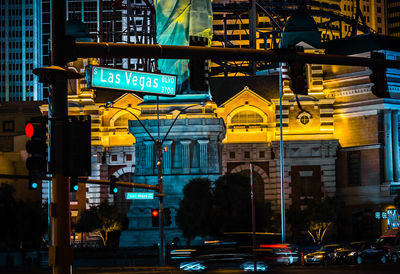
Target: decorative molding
x=349, y=91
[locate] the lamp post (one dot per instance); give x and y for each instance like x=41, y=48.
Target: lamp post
x=158, y=143
x=281, y=171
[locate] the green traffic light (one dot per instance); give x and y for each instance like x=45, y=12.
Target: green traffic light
x=76, y=187
x=34, y=185
x=115, y=190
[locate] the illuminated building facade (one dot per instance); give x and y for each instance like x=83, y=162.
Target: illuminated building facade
x=334, y=146
x=393, y=17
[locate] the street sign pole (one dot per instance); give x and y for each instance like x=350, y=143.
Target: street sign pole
x=161, y=196
x=60, y=253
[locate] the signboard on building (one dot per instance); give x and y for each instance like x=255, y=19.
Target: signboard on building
x=129, y=80
x=139, y=195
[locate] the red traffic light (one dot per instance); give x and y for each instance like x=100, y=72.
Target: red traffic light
x=154, y=213
x=29, y=130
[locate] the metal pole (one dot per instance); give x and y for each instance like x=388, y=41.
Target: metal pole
x=60, y=253
x=161, y=195
x=160, y=186
x=119, y=50
x=253, y=217
x=281, y=171
x=253, y=32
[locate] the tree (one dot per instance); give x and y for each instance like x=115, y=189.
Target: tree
x=8, y=216
x=193, y=216
x=88, y=220
x=211, y=209
x=111, y=220
x=102, y=220
x=316, y=218
x=231, y=204
x=23, y=223
x=32, y=222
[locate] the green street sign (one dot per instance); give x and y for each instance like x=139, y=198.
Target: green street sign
x=129, y=80
x=139, y=195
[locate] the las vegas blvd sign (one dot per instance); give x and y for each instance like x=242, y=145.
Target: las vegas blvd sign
x=134, y=81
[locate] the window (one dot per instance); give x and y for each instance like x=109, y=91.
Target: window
x=354, y=168
x=261, y=154
x=247, y=154
x=114, y=158
x=246, y=117
x=306, y=186
x=379, y=30
x=8, y=126
x=379, y=20
x=232, y=155
x=378, y=9
x=128, y=157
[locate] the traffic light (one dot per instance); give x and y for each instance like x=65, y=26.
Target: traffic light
x=113, y=185
x=154, y=217
x=33, y=183
x=298, y=78
x=78, y=146
x=198, y=68
x=378, y=78
x=36, y=130
x=73, y=184
x=167, y=217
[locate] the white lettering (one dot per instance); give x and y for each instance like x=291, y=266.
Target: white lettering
x=148, y=82
x=128, y=78
x=117, y=77
x=101, y=76
x=110, y=77
x=155, y=83
x=141, y=82
x=134, y=80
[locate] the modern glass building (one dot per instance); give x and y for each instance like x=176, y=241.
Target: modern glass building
x=24, y=29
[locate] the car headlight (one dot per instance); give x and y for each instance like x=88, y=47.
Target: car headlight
x=319, y=256
x=352, y=253
x=191, y=266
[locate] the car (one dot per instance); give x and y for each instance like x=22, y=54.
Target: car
x=223, y=260
x=373, y=253
x=394, y=250
x=348, y=253
x=324, y=255
x=285, y=254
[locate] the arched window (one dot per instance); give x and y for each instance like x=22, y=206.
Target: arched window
x=122, y=121
x=247, y=117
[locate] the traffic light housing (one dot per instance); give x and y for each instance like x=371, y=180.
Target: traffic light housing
x=36, y=147
x=298, y=78
x=79, y=161
x=113, y=185
x=167, y=217
x=198, y=68
x=378, y=78
x=73, y=184
x=155, y=217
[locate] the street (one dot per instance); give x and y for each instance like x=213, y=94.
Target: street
x=331, y=269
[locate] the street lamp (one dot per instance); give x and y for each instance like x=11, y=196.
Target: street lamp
x=158, y=142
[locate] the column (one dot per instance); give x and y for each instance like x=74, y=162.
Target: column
x=186, y=153
x=395, y=142
x=203, y=154
x=149, y=147
x=388, y=146
x=167, y=163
